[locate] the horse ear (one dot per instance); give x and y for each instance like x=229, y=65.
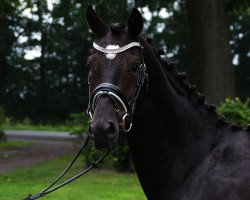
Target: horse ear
x=135, y=23
x=95, y=23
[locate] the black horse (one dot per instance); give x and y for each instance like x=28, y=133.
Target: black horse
x=181, y=148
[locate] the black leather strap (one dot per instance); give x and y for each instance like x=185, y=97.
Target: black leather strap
x=106, y=88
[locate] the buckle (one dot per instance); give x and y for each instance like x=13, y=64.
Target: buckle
x=125, y=127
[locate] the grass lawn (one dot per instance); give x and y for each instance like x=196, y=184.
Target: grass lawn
x=97, y=185
x=11, y=144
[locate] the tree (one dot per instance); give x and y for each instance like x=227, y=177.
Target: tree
x=8, y=18
x=239, y=15
x=213, y=54
x=51, y=86
x=172, y=33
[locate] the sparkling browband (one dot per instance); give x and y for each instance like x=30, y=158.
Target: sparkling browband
x=118, y=50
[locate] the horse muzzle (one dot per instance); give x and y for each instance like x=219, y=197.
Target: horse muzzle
x=104, y=133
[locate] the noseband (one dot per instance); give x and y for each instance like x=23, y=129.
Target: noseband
x=115, y=94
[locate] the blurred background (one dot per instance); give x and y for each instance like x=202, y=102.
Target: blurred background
x=44, y=45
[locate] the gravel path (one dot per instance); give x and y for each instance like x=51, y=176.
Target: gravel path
x=46, y=147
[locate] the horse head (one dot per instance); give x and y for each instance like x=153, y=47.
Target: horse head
x=116, y=75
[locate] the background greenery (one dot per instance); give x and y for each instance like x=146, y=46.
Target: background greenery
x=236, y=111
x=42, y=92
x=49, y=87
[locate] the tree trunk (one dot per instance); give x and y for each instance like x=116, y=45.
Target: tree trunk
x=213, y=54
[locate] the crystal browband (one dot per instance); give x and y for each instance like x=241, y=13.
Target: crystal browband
x=118, y=50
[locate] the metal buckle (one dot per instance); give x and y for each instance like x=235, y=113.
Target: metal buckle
x=123, y=123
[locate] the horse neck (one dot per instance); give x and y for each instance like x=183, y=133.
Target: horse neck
x=171, y=133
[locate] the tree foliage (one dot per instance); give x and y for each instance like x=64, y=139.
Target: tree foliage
x=53, y=84
x=236, y=111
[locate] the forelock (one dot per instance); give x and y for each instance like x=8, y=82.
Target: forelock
x=117, y=28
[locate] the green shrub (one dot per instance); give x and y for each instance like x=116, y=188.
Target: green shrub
x=91, y=155
x=3, y=137
x=79, y=124
x=236, y=111
x=121, y=158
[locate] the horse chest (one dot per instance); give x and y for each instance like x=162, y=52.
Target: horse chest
x=219, y=177
x=223, y=174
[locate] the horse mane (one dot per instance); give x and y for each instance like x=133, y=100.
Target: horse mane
x=183, y=87
x=117, y=28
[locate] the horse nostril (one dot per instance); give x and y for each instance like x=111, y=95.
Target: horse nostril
x=110, y=129
x=105, y=134
x=102, y=128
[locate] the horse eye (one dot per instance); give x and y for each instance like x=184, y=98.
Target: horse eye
x=134, y=68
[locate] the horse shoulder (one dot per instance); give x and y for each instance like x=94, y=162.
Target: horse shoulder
x=225, y=173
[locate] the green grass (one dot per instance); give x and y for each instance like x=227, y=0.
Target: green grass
x=35, y=127
x=97, y=185
x=14, y=144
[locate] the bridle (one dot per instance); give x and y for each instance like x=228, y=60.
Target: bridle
x=117, y=97
x=115, y=94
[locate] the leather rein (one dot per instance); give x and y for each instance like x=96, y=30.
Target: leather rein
x=49, y=189
x=118, y=98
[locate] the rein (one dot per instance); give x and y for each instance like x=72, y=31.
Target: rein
x=114, y=93
x=49, y=189
x=117, y=97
